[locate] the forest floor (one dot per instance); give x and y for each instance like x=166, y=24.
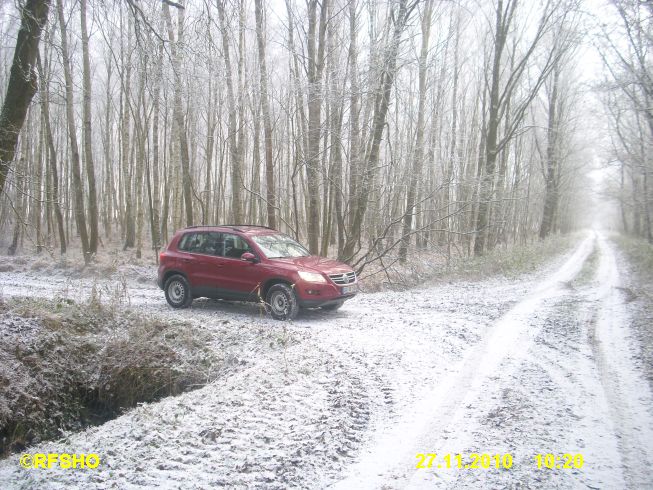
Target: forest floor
x=554, y=361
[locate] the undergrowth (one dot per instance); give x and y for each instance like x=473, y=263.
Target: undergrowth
x=639, y=253
x=65, y=365
x=432, y=265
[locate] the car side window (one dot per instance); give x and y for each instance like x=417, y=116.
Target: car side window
x=185, y=241
x=193, y=242
x=235, y=246
x=214, y=244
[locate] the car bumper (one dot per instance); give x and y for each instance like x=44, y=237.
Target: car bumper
x=312, y=295
x=316, y=303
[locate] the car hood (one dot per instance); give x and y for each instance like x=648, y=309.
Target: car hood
x=318, y=264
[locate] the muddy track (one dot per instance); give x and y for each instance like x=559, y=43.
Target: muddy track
x=534, y=383
x=622, y=377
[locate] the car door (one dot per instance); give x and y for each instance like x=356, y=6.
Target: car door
x=208, y=264
x=199, y=262
x=191, y=263
x=240, y=276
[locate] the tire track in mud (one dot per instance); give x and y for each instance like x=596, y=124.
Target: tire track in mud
x=579, y=390
x=434, y=422
x=623, y=381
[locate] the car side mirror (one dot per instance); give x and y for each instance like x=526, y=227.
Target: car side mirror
x=249, y=257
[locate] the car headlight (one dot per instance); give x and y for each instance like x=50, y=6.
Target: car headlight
x=311, y=276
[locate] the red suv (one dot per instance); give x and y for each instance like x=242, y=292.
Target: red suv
x=251, y=263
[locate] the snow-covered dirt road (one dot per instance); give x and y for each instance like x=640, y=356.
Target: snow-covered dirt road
x=541, y=365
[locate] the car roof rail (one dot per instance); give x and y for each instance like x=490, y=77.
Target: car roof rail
x=235, y=227
x=249, y=226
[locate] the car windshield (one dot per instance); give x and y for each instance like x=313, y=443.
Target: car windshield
x=279, y=246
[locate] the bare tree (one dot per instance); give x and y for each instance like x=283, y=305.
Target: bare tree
x=502, y=90
x=80, y=216
x=22, y=81
x=52, y=157
x=381, y=104
x=267, y=118
x=234, y=147
x=88, y=136
x=418, y=156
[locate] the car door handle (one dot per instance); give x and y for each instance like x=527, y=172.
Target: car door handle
x=186, y=260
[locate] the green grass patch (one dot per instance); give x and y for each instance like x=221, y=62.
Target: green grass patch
x=512, y=261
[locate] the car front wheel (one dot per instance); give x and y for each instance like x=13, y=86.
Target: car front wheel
x=178, y=292
x=281, y=302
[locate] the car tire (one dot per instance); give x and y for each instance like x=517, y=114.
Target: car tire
x=333, y=306
x=281, y=302
x=178, y=293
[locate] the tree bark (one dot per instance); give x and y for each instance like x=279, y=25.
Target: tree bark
x=178, y=113
x=267, y=118
x=487, y=181
x=418, y=157
x=156, y=201
x=52, y=158
x=236, y=157
x=354, y=131
x=88, y=137
x=78, y=190
x=22, y=81
x=551, y=187
x=128, y=221
x=315, y=49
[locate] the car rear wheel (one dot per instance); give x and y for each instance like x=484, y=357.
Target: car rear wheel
x=281, y=302
x=178, y=293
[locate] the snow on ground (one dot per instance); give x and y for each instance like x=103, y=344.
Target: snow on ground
x=543, y=364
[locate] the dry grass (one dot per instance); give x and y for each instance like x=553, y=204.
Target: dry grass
x=65, y=365
x=432, y=265
x=639, y=253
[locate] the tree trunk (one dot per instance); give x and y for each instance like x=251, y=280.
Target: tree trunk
x=415, y=172
x=52, y=158
x=487, y=182
x=126, y=175
x=178, y=113
x=22, y=81
x=156, y=201
x=315, y=49
x=551, y=191
x=72, y=135
x=267, y=118
x=236, y=157
x=88, y=138
x=354, y=125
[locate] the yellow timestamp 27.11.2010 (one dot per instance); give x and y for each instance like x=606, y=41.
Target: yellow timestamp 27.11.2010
x=464, y=462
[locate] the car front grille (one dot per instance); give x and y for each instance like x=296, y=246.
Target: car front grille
x=343, y=279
